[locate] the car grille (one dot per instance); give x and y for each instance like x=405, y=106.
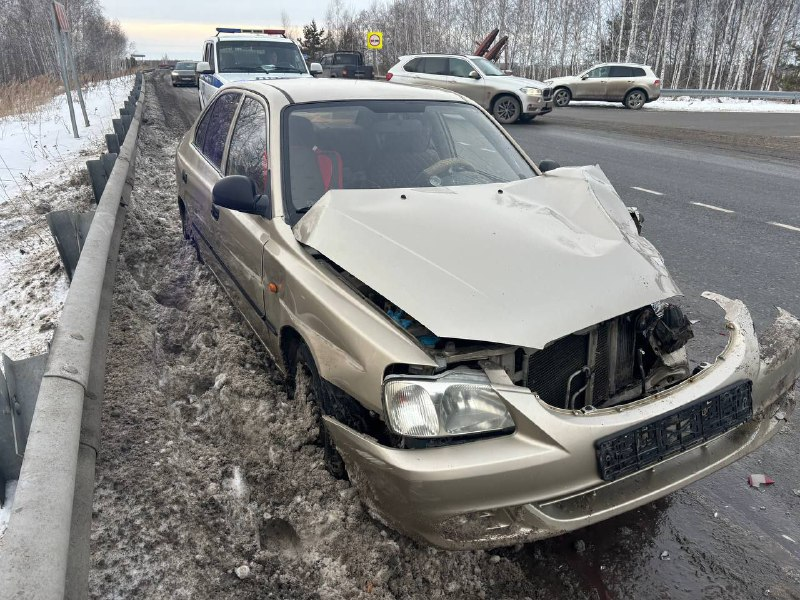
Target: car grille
x=546, y=93
x=549, y=370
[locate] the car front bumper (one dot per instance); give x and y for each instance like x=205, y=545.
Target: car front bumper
x=543, y=480
x=536, y=105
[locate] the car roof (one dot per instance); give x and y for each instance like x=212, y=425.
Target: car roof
x=251, y=37
x=620, y=64
x=443, y=54
x=301, y=90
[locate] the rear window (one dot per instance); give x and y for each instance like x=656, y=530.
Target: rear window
x=218, y=126
x=413, y=66
x=621, y=72
x=438, y=65
x=637, y=72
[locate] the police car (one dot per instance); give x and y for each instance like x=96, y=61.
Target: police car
x=236, y=54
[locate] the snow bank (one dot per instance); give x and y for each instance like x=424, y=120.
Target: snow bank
x=690, y=104
x=40, y=145
x=5, y=509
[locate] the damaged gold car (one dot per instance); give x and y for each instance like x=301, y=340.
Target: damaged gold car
x=491, y=346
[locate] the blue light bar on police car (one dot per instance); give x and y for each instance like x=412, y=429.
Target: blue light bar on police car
x=240, y=30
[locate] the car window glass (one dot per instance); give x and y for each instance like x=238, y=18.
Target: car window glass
x=413, y=65
x=202, y=127
x=259, y=56
x=218, y=126
x=436, y=65
x=637, y=72
x=460, y=68
x=620, y=71
x=210, y=55
x=247, y=154
x=598, y=73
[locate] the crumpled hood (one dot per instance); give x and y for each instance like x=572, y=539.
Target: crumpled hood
x=546, y=257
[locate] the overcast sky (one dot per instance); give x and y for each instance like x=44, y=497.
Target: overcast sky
x=178, y=27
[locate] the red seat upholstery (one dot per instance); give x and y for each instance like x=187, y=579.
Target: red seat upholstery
x=330, y=167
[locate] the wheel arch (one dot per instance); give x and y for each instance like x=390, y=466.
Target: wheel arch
x=637, y=88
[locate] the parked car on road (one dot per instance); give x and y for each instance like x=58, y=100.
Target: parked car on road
x=185, y=73
x=508, y=98
x=237, y=54
x=632, y=84
x=491, y=348
x=347, y=65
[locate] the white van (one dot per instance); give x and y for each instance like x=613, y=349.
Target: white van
x=236, y=54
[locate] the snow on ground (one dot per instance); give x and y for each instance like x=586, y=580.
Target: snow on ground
x=689, y=104
x=5, y=507
x=42, y=168
x=39, y=145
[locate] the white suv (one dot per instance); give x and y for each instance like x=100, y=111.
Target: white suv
x=236, y=54
x=633, y=85
x=508, y=98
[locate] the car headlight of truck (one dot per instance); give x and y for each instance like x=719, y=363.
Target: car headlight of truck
x=530, y=91
x=450, y=405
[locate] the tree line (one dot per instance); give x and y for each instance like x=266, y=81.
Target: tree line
x=27, y=47
x=713, y=44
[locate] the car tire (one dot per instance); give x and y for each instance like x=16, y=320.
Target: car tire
x=562, y=97
x=506, y=109
x=307, y=386
x=527, y=118
x=635, y=99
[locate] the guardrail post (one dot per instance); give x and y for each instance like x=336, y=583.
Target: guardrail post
x=119, y=129
x=70, y=230
x=112, y=143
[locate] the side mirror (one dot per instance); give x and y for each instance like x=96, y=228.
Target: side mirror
x=315, y=68
x=584, y=77
x=508, y=71
x=474, y=75
x=204, y=68
x=638, y=218
x=548, y=165
x=237, y=192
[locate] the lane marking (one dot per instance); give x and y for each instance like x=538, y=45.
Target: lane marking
x=712, y=207
x=783, y=535
x=646, y=191
x=784, y=225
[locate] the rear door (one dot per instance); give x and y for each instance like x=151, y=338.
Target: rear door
x=241, y=237
x=435, y=71
x=205, y=168
x=594, y=86
x=620, y=81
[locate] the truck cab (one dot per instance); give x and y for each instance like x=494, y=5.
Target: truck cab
x=347, y=64
x=236, y=54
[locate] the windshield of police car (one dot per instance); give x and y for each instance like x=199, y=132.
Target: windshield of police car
x=259, y=56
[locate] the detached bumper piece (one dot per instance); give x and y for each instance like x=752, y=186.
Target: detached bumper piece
x=633, y=450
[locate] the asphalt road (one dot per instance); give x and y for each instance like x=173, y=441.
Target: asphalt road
x=713, y=210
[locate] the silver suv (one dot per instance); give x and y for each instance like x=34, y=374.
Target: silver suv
x=508, y=98
x=633, y=85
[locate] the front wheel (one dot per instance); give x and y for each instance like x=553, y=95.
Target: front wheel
x=527, y=118
x=309, y=388
x=635, y=99
x=506, y=109
x=562, y=97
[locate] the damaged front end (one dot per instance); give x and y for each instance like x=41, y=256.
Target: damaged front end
x=546, y=475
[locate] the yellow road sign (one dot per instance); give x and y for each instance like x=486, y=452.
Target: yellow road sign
x=375, y=40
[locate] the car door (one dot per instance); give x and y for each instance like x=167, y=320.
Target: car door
x=206, y=85
x=619, y=82
x=205, y=167
x=592, y=85
x=241, y=237
x=461, y=82
x=435, y=71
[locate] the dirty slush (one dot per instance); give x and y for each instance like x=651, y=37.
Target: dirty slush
x=207, y=466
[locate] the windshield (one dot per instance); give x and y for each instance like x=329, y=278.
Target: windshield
x=185, y=66
x=259, y=56
x=384, y=144
x=487, y=67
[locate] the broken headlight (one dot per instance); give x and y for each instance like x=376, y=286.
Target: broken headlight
x=453, y=404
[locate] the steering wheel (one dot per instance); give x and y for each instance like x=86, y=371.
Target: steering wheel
x=446, y=164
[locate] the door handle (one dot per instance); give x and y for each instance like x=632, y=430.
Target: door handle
x=215, y=212
x=184, y=176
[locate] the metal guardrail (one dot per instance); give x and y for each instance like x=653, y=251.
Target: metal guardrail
x=44, y=553
x=742, y=94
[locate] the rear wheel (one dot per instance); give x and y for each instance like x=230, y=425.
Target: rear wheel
x=310, y=388
x=562, y=97
x=635, y=99
x=506, y=109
